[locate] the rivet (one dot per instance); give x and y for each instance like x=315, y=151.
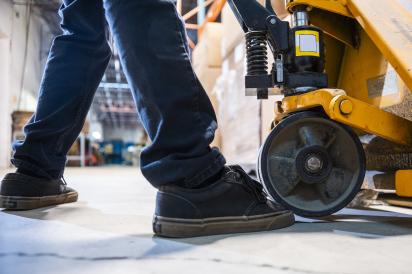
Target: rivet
x=346, y=106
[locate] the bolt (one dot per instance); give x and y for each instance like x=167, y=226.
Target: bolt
x=273, y=21
x=346, y=106
x=313, y=164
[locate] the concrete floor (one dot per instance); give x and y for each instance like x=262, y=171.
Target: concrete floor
x=109, y=231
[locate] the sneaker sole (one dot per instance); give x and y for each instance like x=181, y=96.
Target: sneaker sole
x=27, y=203
x=185, y=228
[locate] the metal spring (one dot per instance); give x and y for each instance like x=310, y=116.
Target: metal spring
x=256, y=53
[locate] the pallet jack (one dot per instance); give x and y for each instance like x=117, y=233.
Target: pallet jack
x=328, y=64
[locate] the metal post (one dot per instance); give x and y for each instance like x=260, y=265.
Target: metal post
x=179, y=6
x=202, y=11
x=82, y=150
x=300, y=18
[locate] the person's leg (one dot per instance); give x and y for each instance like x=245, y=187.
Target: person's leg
x=76, y=63
x=172, y=104
x=196, y=195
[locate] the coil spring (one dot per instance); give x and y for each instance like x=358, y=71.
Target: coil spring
x=256, y=53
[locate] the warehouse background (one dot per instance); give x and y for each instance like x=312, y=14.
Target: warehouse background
x=112, y=133
x=109, y=229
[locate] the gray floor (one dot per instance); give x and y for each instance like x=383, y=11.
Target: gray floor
x=109, y=231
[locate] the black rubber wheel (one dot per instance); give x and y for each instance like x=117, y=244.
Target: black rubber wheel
x=311, y=164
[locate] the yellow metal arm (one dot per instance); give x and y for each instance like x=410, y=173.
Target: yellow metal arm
x=350, y=111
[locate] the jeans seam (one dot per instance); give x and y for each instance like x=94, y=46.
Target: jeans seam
x=219, y=162
x=190, y=70
x=195, y=81
x=59, y=142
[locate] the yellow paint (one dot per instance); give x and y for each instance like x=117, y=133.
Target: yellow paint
x=403, y=183
x=368, y=45
x=335, y=6
x=389, y=26
x=377, y=38
x=346, y=107
x=362, y=68
x=318, y=98
x=333, y=59
x=340, y=27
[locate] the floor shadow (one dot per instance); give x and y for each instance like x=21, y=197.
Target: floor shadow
x=369, y=224
x=81, y=214
x=358, y=225
x=127, y=243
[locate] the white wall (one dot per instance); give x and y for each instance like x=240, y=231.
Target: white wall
x=5, y=16
x=33, y=67
x=407, y=4
x=13, y=22
x=5, y=103
x=5, y=93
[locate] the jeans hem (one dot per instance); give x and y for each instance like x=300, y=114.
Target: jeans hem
x=205, y=174
x=34, y=168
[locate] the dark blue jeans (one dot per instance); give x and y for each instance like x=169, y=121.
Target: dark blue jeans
x=172, y=104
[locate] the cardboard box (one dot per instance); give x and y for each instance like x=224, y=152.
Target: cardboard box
x=233, y=33
x=207, y=51
x=231, y=30
x=238, y=115
x=207, y=77
x=244, y=121
x=207, y=63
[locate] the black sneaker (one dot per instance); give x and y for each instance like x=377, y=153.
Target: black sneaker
x=235, y=203
x=22, y=192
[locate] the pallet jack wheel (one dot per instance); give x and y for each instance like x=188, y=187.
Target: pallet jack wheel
x=311, y=164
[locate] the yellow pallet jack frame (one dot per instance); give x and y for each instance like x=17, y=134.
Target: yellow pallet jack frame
x=363, y=37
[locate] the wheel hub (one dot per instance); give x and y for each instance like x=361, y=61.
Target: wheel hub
x=313, y=164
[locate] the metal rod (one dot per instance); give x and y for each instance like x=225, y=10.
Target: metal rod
x=202, y=11
x=300, y=18
x=194, y=11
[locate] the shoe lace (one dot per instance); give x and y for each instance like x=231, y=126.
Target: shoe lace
x=63, y=184
x=252, y=185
